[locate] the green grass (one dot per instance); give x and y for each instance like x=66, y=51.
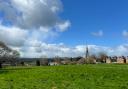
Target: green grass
x=99, y=76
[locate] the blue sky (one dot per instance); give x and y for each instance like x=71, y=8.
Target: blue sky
x=51, y=28
x=88, y=16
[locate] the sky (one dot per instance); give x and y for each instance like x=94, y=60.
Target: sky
x=95, y=16
x=48, y=28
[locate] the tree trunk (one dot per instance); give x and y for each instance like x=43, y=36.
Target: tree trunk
x=124, y=60
x=0, y=65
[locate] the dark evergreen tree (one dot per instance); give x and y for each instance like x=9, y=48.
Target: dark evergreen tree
x=37, y=62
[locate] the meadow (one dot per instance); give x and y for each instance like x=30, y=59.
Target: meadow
x=97, y=76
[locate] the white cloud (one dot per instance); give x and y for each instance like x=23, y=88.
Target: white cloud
x=9, y=12
x=125, y=33
x=13, y=36
x=64, y=25
x=30, y=45
x=32, y=23
x=98, y=34
x=38, y=49
x=33, y=14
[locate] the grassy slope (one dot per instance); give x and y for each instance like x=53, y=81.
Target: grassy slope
x=100, y=76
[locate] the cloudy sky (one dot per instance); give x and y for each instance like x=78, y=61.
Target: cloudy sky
x=51, y=28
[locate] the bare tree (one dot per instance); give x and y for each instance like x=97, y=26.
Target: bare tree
x=14, y=56
x=102, y=57
x=44, y=60
x=57, y=59
x=7, y=54
x=92, y=59
x=81, y=61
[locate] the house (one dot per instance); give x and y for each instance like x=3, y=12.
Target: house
x=127, y=59
x=121, y=60
x=53, y=64
x=108, y=60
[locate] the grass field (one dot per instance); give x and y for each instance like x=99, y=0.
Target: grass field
x=100, y=76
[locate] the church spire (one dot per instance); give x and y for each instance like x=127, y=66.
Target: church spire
x=87, y=52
